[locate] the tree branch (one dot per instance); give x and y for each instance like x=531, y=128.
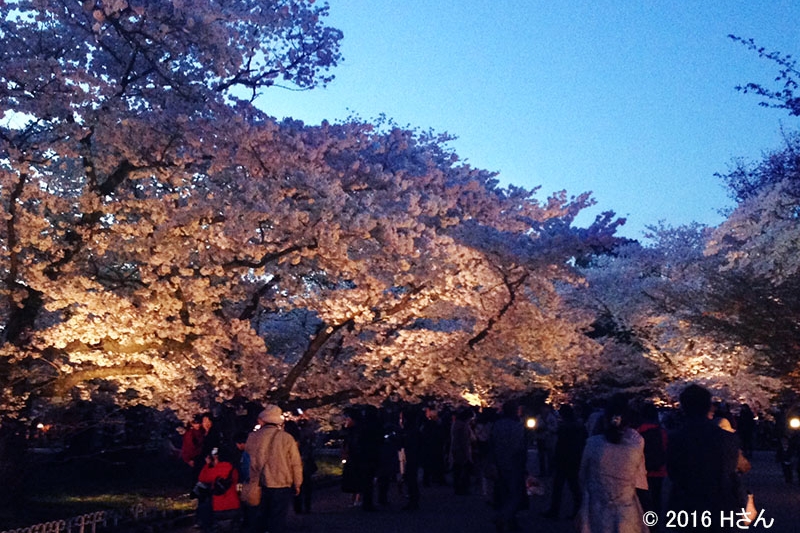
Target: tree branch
x=512, y=287
x=327, y=399
x=324, y=333
x=64, y=384
x=268, y=258
x=249, y=311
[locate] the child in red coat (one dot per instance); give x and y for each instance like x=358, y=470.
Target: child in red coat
x=223, y=502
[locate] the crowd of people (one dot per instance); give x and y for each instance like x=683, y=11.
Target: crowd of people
x=614, y=460
x=252, y=481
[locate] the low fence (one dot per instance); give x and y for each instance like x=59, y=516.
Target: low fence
x=87, y=523
x=100, y=521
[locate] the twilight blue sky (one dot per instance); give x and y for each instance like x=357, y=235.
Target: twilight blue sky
x=632, y=100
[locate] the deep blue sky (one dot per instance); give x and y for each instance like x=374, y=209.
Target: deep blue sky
x=632, y=100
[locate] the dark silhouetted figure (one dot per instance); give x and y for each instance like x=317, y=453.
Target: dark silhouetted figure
x=701, y=461
x=746, y=428
x=388, y=462
x=509, y=454
x=361, y=453
x=461, y=439
x=432, y=443
x=571, y=438
x=410, y=438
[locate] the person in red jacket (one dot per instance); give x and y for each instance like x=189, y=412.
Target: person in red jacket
x=192, y=441
x=191, y=448
x=655, y=458
x=222, y=502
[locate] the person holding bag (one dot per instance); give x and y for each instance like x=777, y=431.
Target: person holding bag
x=276, y=467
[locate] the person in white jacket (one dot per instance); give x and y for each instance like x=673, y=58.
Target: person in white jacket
x=275, y=461
x=612, y=469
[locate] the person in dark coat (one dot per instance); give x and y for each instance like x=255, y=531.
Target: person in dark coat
x=746, y=429
x=433, y=443
x=701, y=461
x=389, y=462
x=410, y=439
x=482, y=457
x=362, y=453
x=509, y=452
x=304, y=435
x=784, y=457
x=351, y=456
x=306, y=443
x=461, y=439
x=212, y=439
x=570, y=440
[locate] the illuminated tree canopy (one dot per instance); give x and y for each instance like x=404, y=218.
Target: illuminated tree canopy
x=165, y=240
x=716, y=305
x=669, y=314
x=167, y=243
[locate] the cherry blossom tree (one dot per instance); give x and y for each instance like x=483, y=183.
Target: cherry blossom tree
x=715, y=305
x=169, y=244
x=784, y=96
x=660, y=313
x=757, y=247
x=105, y=108
x=747, y=299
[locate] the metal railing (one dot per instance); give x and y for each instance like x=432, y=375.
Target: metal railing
x=95, y=522
x=87, y=523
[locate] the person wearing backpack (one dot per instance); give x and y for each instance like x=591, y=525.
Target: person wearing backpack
x=655, y=456
x=221, y=478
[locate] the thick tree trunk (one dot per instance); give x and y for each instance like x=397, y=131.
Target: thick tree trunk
x=324, y=333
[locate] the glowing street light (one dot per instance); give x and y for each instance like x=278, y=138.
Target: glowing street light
x=794, y=422
x=530, y=423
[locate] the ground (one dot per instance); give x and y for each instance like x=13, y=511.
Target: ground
x=442, y=511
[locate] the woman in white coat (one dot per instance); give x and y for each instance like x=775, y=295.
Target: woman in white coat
x=612, y=468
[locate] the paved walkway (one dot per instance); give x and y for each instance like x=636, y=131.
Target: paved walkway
x=778, y=499
x=442, y=511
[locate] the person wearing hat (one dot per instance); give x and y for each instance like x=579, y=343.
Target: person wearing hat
x=275, y=461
